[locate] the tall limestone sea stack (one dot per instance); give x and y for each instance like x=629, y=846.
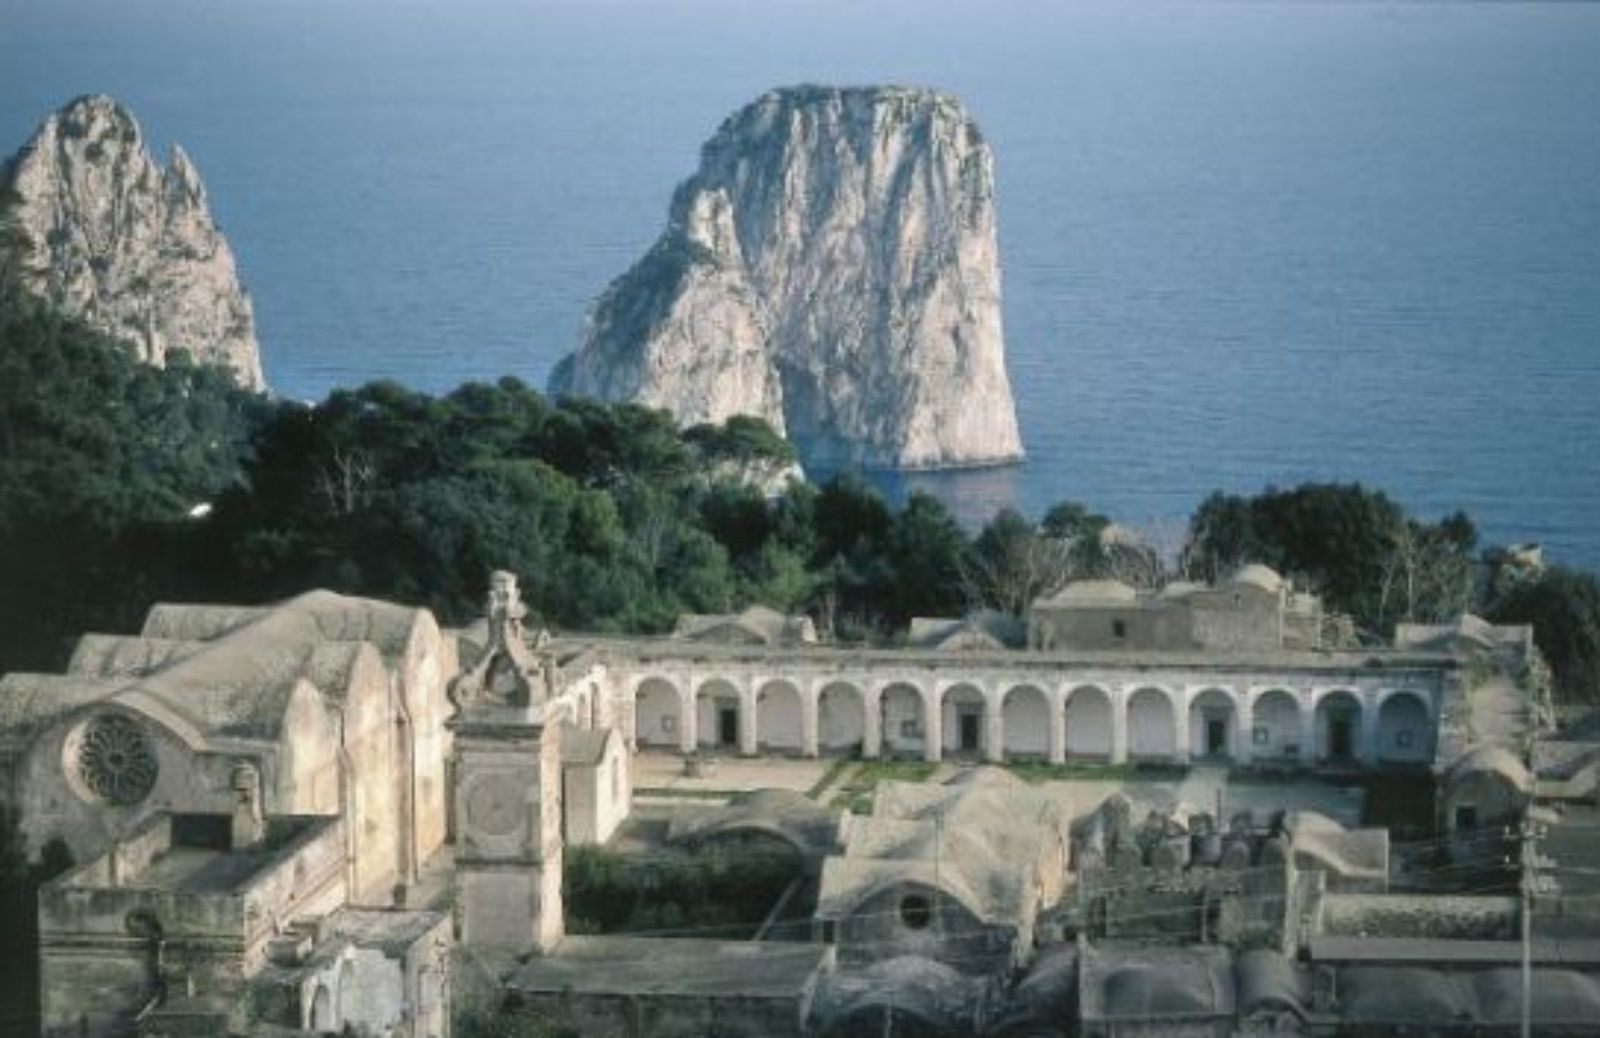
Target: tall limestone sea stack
x=92, y=225
x=831, y=268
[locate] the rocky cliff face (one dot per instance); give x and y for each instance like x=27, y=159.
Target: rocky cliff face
x=831, y=268
x=95, y=227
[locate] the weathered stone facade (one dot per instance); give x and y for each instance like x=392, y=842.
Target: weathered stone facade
x=258, y=798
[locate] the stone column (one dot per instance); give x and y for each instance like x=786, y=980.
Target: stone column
x=994, y=729
x=1182, y=723
x=933, y=727
x=1058, y=727
x=689, y=722
x=1367, y=751
x=1308, y=729
x=809, y=718
x=1244, y=745
x=871, y=722
x=1119, y=724
x=749, y=715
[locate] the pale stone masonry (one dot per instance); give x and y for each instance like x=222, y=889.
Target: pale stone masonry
x=311, y=817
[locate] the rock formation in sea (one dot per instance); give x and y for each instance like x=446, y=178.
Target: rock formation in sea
x=92, y=225
x=831, y=268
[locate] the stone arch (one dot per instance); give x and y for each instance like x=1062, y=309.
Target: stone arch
x=780, y=716
x=1152, y=724
x=1405, y=728
x=1214, y=725
x=963, y=709
x=719, y=713
x=1339, y=727
x=1025, y=721
x=905, y=723
x=841, y=717
x=1088, y=722
x=1275, y=728
x=657, y=714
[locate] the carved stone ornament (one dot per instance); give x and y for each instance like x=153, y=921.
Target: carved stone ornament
x=509, y=674
x=115, y=761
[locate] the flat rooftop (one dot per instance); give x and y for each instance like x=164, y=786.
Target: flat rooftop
x=191, y=855
x=1376, y=660
x=673, y=966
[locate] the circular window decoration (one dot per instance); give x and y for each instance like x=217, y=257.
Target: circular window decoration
x=115, y=760
x=915, y=911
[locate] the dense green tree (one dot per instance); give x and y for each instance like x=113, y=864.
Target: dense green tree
x=924, y=548
x=1354, y=545
x=102, y=459
x=1563, y=605
x=1012, y=563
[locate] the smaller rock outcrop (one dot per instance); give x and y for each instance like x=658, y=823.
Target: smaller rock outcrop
x=91, y=224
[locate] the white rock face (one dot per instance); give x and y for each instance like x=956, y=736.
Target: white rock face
x=99, y=230
x=831, y=268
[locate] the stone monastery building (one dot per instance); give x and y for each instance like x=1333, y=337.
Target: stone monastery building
x=305, y=818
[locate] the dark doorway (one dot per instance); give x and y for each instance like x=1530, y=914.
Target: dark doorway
x=1341, y=738
x=970, y=720
x=1216, y=737
x=727, y=725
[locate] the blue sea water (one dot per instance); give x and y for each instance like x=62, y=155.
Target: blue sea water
x=1243, y=243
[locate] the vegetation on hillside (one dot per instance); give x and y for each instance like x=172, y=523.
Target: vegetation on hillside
x=615, y=519
x=123, y=484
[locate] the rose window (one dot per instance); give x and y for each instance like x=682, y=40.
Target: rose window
x=115, y=760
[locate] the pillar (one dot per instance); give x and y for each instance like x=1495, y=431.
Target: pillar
x=1119, y=724
x=1367, y=751
x=810, y=719
x=1058, y=728
x=932, y=728
x=1244, y=745
x=994, y=729
x=871, y=722
x=689, y=719
x=1181, y=724
x=749, y=714
x=1308, y=728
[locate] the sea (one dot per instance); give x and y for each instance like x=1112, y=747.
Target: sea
x=1244, y=244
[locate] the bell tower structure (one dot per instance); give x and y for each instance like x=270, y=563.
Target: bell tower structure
x=508, y=788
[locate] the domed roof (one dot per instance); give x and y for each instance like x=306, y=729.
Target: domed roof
x=1256, y=575
x=1095, y=592
x=1491, y=759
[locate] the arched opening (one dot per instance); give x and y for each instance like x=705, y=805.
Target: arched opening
x=961, y=716
x=904, y=727
x=1275, y=732
x=1405, y=729
x=717, y=715
x=1339, y=728
x=656, y=714
x=1152, y=728
x=779, y=724
x=1213, y=721
x=1025, y=717
x=1088, y=721
x=841, y=718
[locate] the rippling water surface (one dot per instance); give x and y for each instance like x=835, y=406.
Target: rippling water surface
x=1244, y=243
